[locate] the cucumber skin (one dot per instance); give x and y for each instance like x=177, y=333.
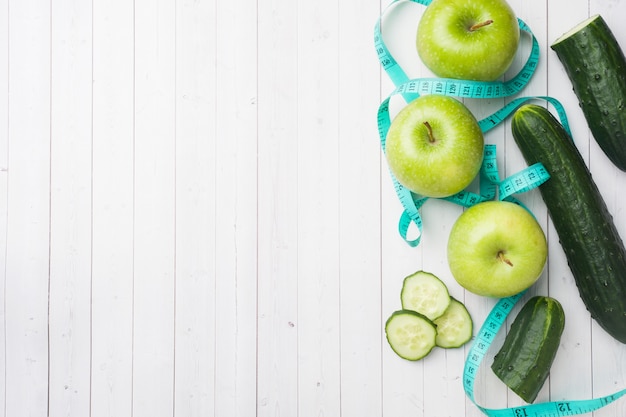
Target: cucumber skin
x=524, y=360
x=596, y=66
x=592, y=244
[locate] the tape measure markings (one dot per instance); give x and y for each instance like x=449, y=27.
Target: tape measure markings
x=500, y=115
x=410, y=89
x=490, y=183
x=478, y=350
x=489, y=180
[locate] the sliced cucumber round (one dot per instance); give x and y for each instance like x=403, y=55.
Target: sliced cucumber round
x=410, y=334
x=425, y=293
x=455, y=326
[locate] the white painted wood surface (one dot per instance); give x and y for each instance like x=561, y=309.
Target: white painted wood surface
x=196, y=218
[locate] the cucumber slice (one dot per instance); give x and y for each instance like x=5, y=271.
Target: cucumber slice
x=425, y=293
x=455, y=326
x=410, y=334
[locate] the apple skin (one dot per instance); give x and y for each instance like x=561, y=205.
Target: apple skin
x=450, y=49
x=443, y=167
x=496, y=249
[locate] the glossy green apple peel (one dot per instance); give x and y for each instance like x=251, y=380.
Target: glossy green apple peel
x=468, y=39
x=409, y=89
x=489, y=182
x=465, y=88
x=435, y=146
x=496, y=249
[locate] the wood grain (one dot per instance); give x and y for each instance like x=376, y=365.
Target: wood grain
x=196, y=218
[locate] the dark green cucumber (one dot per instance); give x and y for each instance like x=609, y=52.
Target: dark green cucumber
x=591, y=242
x=525, y=358
x=595, y=64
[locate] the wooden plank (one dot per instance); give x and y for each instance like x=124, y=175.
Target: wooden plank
x=402, y=381
x=70, y=213
x=317, y=199
x=28, y=208
x=196, y=239
x=4, y=89
x=154, y=198
x=4, y=191
x=113, y=207
x=277, y=210
x=359, y=212
x=236, y=145
x=196, y=218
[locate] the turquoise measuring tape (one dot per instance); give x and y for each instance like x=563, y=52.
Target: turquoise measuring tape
x=477, y=352
x=460, y=88
x=490, y=187
x=489, y=182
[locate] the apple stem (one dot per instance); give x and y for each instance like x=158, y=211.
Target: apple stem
x=504, y=259
x=431, y=138
x=480, y=25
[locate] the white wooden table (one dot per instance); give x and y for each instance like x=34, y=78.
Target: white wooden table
x=196, y=218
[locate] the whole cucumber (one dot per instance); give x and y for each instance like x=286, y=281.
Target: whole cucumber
x=596, y=67
x=591, y=242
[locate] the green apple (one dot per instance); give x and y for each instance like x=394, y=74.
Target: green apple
x=434, y=146
x=496, y=249
x=468, y=39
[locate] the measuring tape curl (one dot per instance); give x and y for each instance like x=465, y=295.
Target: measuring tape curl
x=490, y=184
x=412, y=88
x=478, y=351
x=461, y=88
